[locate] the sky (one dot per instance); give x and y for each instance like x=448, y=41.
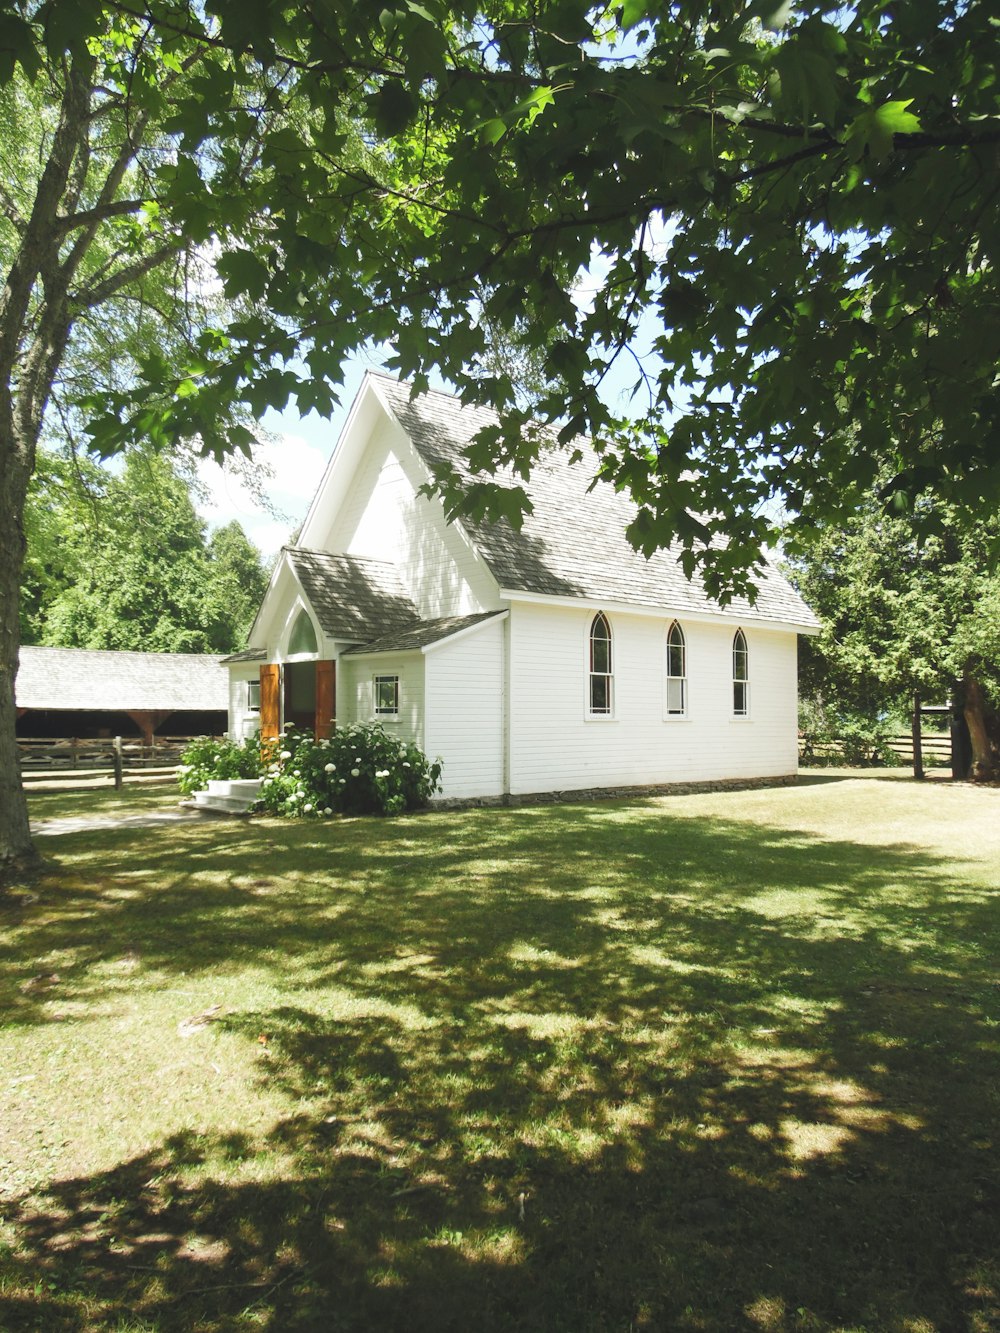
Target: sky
x=300, y=447
x=297, y=453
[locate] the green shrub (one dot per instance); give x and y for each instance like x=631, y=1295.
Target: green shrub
x=360, y=770
x=214, y=757
x=830, y=735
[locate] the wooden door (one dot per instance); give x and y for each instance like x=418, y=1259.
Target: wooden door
x=326, y=699
x=270, y=700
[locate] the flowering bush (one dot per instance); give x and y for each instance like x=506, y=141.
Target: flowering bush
x=214, y=757
x=360, y=770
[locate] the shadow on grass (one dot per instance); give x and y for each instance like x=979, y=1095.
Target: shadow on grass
x=564, y=1068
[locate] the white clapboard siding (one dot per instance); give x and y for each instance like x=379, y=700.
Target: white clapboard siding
x=356, y=693
x=384, y=518
x=555, y=745
x=465, y=707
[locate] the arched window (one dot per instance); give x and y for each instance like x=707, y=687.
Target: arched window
x=676, y=672
x=741, y=675
x=303, y=637
x=601, y=669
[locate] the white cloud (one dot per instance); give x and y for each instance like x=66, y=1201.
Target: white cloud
x=296, y=467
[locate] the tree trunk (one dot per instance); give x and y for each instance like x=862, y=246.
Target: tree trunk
x=961, y=746
x=985, y=767
x=17, y=852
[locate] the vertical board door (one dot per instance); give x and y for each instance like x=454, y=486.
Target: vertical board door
x=270, y=700
x=326, y=699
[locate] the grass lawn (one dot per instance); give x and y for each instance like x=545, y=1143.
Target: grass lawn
x=721, y=1061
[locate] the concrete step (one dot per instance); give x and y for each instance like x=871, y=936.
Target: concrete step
x=223, y=805
x=248, y=788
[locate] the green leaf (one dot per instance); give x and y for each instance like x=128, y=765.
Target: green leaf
x=492, y=131
x=633, y=12
x=393, y=107
x=17, y=47
x=875, y=128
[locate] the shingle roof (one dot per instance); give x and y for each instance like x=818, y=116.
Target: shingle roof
x=86, y=678
x=573, y=543
x=245, y=655
x=353, y=599
x=422, y=634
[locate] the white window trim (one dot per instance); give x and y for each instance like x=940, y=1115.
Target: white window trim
x=744, y=716
x=685, y=714
x=288, y=631
x=588, y=714
x=376, y=714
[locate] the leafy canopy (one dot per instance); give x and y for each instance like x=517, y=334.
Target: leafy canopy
x=786, y=216
x=123, y=561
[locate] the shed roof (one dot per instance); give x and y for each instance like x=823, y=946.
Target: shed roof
x=90, y=678
x=573, y=543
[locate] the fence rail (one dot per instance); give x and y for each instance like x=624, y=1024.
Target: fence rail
x=935, y=747
x=77, y=759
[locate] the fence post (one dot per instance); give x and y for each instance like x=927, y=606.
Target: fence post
x=117, y=760
x=918, y=752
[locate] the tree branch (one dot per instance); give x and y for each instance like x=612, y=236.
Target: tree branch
x=11, y=211
x=89, y=297
x=90, y=216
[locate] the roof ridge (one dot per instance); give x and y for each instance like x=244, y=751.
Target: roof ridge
x=340, y=555
x=113, y=652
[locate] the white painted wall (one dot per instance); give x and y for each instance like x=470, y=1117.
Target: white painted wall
x=383, y=518
x=554, y=745
x=464, y=692
x=242, y=722
x=356, y=693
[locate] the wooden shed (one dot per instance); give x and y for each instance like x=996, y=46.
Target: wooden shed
x=91, y=693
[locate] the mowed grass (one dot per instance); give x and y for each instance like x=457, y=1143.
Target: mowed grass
x=721, y=1061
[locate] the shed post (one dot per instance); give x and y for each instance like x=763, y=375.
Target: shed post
x=918, y=749
x=116, y=759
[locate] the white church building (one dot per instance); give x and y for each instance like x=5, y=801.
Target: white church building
x=556, y=658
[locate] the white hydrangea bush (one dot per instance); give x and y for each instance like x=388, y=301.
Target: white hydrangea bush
x=359, y=770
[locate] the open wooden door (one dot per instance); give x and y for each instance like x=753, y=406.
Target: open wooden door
x=326, y=699
x=270, y=700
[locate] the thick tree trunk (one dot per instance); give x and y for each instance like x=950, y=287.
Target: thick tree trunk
x=17, y=852
x=985, y=759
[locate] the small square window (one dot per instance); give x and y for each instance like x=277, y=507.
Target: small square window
x=386, y=696
x=253, y=696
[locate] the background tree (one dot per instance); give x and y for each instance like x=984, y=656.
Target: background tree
x=904, y=616
x=801, y=204
x=122, y=561
x=239, y=581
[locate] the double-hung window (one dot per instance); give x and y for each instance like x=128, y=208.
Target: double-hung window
x=741, y=676
x=601, y=679
x=676, y=672
x=387, y=696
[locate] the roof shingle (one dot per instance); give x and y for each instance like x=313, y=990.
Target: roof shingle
x=573, y=542
x=90, y=678
x=354, y=599
x=422, y=634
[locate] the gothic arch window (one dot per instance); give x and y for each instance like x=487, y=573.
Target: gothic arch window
x=601, y=665
x=741, y=675
x=676, y=672
x=302, y=639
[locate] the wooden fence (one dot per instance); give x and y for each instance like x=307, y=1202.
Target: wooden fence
x=79, y=762
x=935, y=746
